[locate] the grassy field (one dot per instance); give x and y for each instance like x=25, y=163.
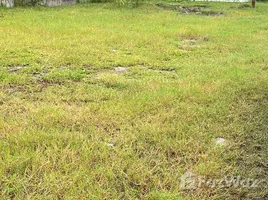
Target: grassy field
x=72, y=127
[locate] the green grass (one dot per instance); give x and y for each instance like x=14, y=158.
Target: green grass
x=72, y=128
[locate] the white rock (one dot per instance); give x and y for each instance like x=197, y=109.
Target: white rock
x=109, y=144
x=120, y=70
x=191, y=41
x=220, y=141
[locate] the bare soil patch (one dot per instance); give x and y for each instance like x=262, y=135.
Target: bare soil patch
x=197, y=9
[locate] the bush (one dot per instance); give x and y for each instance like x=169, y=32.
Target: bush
x=28, y=2
x=128, y=3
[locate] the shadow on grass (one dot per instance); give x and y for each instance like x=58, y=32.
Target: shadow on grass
x=250, y=151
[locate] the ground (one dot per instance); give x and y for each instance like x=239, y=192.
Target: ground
x=101, y=102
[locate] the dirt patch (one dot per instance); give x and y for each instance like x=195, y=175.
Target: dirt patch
x=212, y=13
x=13, y=89
x=121, y=70
x=197, y=9
x=244, y=6
x=16, y=68
x=39, y=74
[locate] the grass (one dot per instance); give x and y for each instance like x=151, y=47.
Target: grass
x=73, y=128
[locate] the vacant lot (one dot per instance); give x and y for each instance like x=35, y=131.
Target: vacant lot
x=100, y=102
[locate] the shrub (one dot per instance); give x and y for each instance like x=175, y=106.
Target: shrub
x=128, y=3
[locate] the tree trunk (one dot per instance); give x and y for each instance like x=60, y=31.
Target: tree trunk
x=253, y=3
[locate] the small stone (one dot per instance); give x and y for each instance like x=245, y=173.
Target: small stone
x=114, y=51
x=220, y=141
x=109, y=144
x=191, y=41
x=120, y=70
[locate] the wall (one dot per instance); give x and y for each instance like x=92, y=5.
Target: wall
x=7, y=3
x=51, y=3
x=59, y=2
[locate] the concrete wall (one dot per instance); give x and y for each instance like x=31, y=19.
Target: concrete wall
x=7, y=3
x=51, y=3
x=59, y=2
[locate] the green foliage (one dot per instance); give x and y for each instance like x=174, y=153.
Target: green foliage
x=19, y=2
x=128, y=3
x=28, y=2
